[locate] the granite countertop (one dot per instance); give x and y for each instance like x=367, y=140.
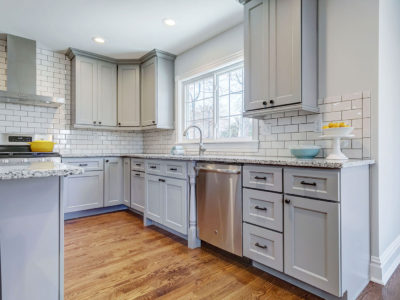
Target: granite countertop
x=277, y=161
x=37, y=169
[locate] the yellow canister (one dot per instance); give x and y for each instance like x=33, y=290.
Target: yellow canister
x=42, y=146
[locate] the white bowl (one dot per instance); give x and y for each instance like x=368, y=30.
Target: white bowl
x=338, y=131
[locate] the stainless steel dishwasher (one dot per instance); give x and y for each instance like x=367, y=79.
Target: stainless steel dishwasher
x=219, y=205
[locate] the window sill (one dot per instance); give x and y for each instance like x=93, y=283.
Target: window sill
x=223, y=146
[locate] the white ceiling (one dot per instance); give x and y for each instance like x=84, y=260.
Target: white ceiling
x=130, y=27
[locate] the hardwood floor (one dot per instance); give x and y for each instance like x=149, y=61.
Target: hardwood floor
x=114, y=257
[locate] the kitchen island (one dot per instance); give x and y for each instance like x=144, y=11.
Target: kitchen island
x=32, y=230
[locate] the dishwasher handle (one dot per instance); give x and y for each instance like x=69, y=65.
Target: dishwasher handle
x=224, y=171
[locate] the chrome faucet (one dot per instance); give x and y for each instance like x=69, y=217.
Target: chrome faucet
x=202, y=149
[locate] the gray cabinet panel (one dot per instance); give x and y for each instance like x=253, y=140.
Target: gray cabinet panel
x=128, y=95
x=138, y=195
x=88, y=164
x=149, y=92
x=83, y=191
x=312, y=242
x=263, y=246
x=263, y=209
x=137, y=164
x=107, y=94
x=175, y=216
x=154, y=198
x=322, y=184
x=263, y=178
x=127, y=182
x=113, y=181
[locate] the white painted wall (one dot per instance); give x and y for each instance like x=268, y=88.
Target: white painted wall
x=388, y=131
x=223, y=45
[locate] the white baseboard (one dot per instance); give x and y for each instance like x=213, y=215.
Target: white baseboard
x=382, y=268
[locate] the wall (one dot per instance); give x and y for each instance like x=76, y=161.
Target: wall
x=280, y=131
x=387, y=216
x=53, y=79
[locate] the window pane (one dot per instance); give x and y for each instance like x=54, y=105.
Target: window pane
x=190, y=92
x=223, y=84
x=198, y=111
x=236, y=80
x=189, y=111
x=208, y=129
x=247, y=127
x=223, y=128
x=223, y=106
x=198, y=90
x=235, y=126
x=208, y=88
x=236, y=104
x=209, y=108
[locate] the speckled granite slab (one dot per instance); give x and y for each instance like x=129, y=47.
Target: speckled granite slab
x=37, y=169
x=276, y=161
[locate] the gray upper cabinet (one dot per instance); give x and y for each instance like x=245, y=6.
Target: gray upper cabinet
x=280, y=38
x=113, y=183
x=157, y=90
x=94, y=92
x=312, y=242
x=129, y=95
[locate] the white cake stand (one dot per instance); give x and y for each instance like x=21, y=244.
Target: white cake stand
x=336, y=153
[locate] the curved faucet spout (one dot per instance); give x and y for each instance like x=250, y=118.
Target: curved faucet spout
x=202, y=149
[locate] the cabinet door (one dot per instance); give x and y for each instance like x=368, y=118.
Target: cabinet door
x=127, y=182
x=312, y=242
x=256, y=54
x=138, y=191
x=113, y=182
x=85, y=91
x=175, y=216
x=285, y=51
x=128, y=96
x=107, y=94
x=154, y=198
x=83, y=191
x=149, y=92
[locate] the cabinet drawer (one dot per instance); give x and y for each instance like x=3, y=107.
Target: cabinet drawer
x=263, y=209
x=137, y=164
x=88, y=164
x=263, y=178
x=263, y=246
x=176, y=169
x=322, y=184
x=154, y=167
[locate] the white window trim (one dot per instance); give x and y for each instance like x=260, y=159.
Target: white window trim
x=229, y=145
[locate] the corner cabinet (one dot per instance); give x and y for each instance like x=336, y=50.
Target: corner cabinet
x=113, y=183
x=280, y=38
x=129, y=95
x=94, y=92
x=157, y=90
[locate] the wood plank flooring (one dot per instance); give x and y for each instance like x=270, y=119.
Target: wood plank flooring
x=113, y=256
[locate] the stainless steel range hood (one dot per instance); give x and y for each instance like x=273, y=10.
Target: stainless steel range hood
x=21, y=75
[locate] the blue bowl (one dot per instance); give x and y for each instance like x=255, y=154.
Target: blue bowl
x=305, y=153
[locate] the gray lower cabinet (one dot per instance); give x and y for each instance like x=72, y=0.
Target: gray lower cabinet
x=81, y=192
x=137, y=191
x=113, y=183
x=127, y=181
x=166, y=202
x=312, y=242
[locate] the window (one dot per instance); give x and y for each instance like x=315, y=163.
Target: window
x=214, y=102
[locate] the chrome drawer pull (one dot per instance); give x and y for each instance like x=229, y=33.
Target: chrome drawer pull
x=308, y=183
x=261, y=246
x=224, y=171
x=83, y=165
x=260, y=178
x=260, y=208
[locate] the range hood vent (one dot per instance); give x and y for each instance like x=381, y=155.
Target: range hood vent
x=21, y=75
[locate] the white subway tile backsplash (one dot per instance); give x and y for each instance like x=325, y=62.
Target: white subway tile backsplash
x=54, y=79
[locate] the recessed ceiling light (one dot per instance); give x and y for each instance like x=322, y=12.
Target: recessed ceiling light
x=98, y=40
x=169, y=22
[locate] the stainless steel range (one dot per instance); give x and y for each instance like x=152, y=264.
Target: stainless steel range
x=14, y=149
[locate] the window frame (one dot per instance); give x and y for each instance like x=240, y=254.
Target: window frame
x=248, y=144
